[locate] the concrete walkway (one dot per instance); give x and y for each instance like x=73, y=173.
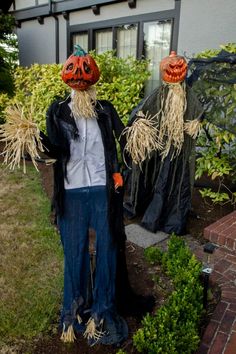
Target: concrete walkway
x=220, y=334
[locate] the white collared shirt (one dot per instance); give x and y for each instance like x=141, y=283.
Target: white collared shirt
x=86, y=167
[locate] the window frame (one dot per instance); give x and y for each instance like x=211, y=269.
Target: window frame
x=170, y=15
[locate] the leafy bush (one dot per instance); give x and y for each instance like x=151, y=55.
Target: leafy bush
x=217, y=152
x=8, y=52
x=175, y=326
x=121, y=82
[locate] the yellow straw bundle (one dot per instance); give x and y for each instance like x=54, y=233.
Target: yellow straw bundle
x=192, y=128
x=83, y=103
x=68, y=336
x=91, y=330
x=20, y=135
x=141, y=138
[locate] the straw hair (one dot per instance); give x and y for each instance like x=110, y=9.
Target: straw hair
x=20, y=135
x=171, y=115
x=83, y=103
x=192, y=128
x=141, y=138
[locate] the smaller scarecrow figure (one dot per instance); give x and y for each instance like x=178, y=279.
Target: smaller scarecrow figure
x=81, y=133
x=160, y=140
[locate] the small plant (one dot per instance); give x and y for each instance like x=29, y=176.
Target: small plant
x=175, y=326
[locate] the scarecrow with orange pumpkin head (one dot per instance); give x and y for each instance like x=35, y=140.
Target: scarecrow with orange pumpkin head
x=87, y=183
x=88, y=195
x=160, y=138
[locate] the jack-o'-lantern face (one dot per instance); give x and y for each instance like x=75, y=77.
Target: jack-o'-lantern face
x=80, y=70
x=173, y=68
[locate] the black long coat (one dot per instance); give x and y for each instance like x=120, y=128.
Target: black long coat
x=61, y=128
x=161, y=191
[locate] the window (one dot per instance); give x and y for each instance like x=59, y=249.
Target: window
x=103, y=40
x=82, y=40
x=157, y=36
x=148, y=35
x=127, y=41
x=124, y=37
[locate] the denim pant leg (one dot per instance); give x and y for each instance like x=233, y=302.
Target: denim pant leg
x=105, y=272
x=74, y=235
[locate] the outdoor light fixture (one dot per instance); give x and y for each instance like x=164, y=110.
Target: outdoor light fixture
x=132, y=4
x=65, y=15
x=95, y=9
x=207, y=269
x=18, y=23
x=40, y=20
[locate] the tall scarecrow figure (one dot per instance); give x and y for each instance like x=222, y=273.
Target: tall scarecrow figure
x=160, y=138
x=81, y=137
x=81, y=133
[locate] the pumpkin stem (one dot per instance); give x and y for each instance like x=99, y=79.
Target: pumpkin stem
x=79, y=52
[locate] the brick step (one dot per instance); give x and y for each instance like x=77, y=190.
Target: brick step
x=223, y=232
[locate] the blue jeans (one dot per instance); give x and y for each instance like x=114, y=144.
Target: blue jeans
x=87, y=208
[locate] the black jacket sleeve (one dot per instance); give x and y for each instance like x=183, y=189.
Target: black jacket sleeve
x=51, y=141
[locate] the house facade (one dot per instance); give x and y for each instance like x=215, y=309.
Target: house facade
x=48, y=29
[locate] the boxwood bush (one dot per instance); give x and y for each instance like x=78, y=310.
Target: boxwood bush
x=174, y=329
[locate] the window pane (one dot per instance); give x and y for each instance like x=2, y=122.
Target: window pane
x=127, y=41
x=81, y=39
x=103, y=40
x=157, y=36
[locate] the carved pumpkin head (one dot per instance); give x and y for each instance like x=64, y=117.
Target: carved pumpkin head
x=173, y=68
x=80, y=70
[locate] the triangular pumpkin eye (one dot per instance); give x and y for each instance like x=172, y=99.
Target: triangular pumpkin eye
x=86, y=68
x=70, y=67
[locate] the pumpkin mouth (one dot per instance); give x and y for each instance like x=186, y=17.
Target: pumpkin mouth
x=173, y=68
x=78, y=83
x=176, y=75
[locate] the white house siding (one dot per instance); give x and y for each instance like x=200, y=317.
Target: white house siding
x=120, y=10
x=205, y=24
x=62, y=39
x=37, y=42
x=23, y=4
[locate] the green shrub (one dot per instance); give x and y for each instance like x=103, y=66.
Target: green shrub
x=217, y=153
x=174, y=329
x=122, y=82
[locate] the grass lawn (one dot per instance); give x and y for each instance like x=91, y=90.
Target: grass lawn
x=31, y=262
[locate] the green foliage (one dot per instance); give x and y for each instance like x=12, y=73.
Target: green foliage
x=153, y=255
x=36, y=88
x=216, y=197
x=174, y=328
x=121, y=82
x=39, y=86
x=217, y=153
x=6, y=25
x=120, y=351
x=8, y=53
x=213, y=157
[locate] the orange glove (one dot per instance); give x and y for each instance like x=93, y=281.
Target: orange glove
x=118, y=180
